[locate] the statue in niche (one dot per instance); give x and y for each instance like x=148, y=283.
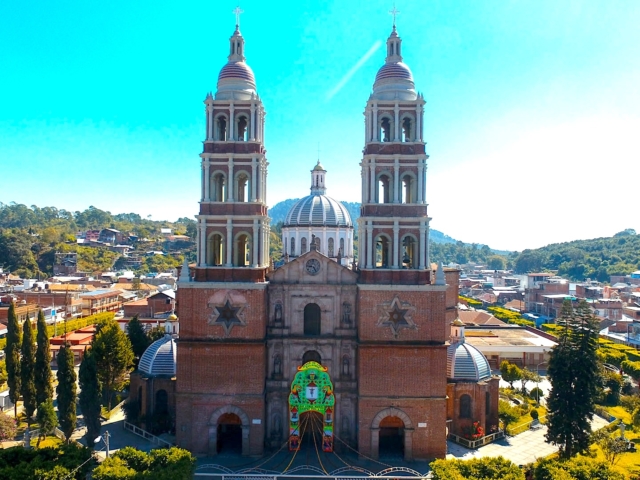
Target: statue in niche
x=277, y=366
x=345, y=366
x=278, y=313
x=346, y=313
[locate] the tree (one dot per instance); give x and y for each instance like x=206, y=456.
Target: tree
x=528, y=376
x=574, y=375
x=156, y=333
x=46, y=418
x=160, y=464
x=138, y=338
x=90, y=396
x=114, y=358
x=579, y=468
x=612, y=446
x=66, y=391
x=510, y=372
x=8, y=428
x=44, y=389
x=487, y=468
x=12, y=356
x=507, y=413
x=496, y=262
x=27, y=370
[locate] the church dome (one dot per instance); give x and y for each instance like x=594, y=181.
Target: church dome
x=394, y=80
x=237, y=74
x=318, y=210
x=466, y=362
x=159, y=358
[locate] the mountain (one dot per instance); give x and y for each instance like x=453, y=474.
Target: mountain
x=279, y=212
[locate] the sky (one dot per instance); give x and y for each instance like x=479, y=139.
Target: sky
x=532, y=119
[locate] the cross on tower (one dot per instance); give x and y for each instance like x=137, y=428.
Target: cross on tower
x=238, y=12
x=394, y=12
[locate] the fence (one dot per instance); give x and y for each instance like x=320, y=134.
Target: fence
x=149, y=436
x=309, y=472
x=479, y=442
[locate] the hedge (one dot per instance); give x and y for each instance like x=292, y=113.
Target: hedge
x=510, y=316
x=472, y=302
x=632, y=369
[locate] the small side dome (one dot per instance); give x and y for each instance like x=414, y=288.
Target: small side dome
x=172, y=318
x=159, y=359
x=466, y=362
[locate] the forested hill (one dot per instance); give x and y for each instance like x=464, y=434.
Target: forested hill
x=596, y=258
x=279, y=211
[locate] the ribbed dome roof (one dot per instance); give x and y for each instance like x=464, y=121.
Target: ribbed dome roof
x=159, y=358
x=318, y=210
x=466, y=362
x=239, y=71
x=394, y=71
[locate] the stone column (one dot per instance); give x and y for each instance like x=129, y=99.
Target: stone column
x=420, y=194
x=253, y=121
x=422, y=251
x=230, y=182
x=209, y=122
x=376, y=130
x=202, y=250
x=229, y=243
x=254, y=179
x=207, y=180
x=232, y=122
x=397, y=184
x=372, y=180
x=369, y=245
x=255, y=243
x=396, y=112
x=396, y=243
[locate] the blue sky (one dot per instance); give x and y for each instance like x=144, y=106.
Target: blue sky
x=532, y=117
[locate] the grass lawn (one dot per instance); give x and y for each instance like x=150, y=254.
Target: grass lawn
x=50, y=441
x=621, y=413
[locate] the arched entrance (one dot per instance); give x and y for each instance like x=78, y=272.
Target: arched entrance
x=311, y=425
x=229, y=431
x=311, y=356
x=392, y=430
x=229, y=434
x=311, y=407
x=312, y=319
x=391, y=437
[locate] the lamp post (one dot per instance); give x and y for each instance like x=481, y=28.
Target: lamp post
x=105, y=438
x=538, y=379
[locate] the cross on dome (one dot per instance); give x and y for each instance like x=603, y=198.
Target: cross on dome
x=394, y=12
x=239, y=12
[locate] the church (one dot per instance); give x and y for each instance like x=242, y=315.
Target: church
x=367, y=349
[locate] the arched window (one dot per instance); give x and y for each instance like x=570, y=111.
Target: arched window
x=215, y=250
x=242, y=187
x=342, y=247
x=465, y=406
x=311, y=356
x=383, y=251
x=408, y=188
x=243, y=250
x=318, y=244
x=384, y=188
x=312, y=319
x=385, y=129
x=293, y=246
x=162, y=402
x=242, y=128
x=409, y=259
x=221, y=128
x=218, y=187
x=407, y=129
x=331, y=248
x=303, y=245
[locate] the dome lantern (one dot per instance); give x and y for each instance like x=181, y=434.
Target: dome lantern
x=394, y=80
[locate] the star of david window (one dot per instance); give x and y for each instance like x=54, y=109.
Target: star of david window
x=226, y=315
x=397, y=315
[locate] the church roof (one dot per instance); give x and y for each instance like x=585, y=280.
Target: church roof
x=318, y=210
x=466, y=362
x=238, y=71
x=159, y=358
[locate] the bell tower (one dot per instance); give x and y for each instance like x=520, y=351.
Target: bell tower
x=222, y=301
x=394, y=225
x=233, y=226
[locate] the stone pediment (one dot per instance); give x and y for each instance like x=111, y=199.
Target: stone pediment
x=313, y=267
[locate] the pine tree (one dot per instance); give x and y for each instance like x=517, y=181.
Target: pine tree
x=44, y=388
x=114, y=358
x=27, y=370
x=12, y=356
x=138, y=338
x=66, y=391
x=90, y=396
x=47, y=419
x=574, y=375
